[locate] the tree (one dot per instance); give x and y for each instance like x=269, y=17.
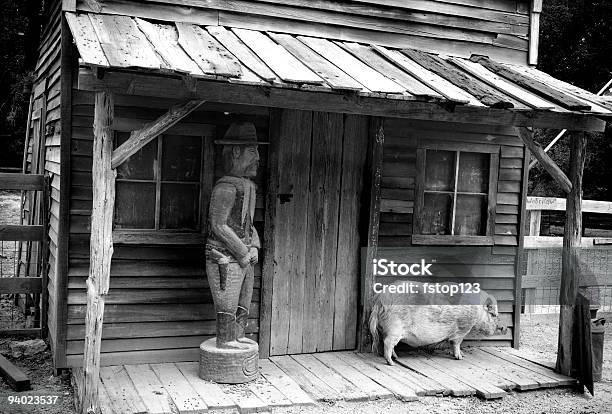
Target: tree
x=576, y=46
x=20, y=22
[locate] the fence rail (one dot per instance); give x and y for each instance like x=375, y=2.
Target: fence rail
x=17, y=292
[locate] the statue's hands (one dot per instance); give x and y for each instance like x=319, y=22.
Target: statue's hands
x=245, y=260
x=254, y=254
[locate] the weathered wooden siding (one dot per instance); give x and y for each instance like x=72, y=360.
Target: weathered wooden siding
x=159, y=308
x=492, y=266
x=496, y=28
x=43, y=144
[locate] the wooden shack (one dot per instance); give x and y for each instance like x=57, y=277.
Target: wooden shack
x=392, y=128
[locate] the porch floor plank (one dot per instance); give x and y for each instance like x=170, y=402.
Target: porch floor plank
x=301, y=380
x=453, y=386
x=561, y=380
x=246, y=401
x=398, y=389
x=211, y=393
x=425, y=385
x=392, y=371
x=307, y=380
x=268, y=393
x=464, y=373
x=514, y=373
x=149, y=388
x=372, y=389
x=121, y=390
x=284, y=383
x=330, y=377
x=183, y=395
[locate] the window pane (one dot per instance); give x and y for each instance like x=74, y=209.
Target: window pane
x=135, y=205
x=181, y=159
x=440, y=170
x=179, y=206
x=471, y=215
x=140, y=166
x=473, y=172
x=436, y=213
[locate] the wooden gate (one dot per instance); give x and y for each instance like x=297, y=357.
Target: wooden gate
x=311, y=269
x=34, y=269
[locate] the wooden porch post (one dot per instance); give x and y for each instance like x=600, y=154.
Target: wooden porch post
x=571, y=255
x=101, y=247
x=375, y=160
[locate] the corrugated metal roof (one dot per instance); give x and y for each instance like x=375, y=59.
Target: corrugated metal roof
x=287, y=61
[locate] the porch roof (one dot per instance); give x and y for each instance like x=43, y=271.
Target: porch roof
x=352, y=71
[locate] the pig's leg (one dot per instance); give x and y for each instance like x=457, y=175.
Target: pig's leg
x=390, y=342
x=456, y=345
x=392, y=335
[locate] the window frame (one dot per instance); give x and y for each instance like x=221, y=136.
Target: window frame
x=450, y=239
x=175, y=236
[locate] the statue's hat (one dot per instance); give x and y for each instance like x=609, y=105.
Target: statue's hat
x=240, y=133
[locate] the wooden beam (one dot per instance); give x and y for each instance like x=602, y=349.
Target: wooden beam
x=149, y=131
x=101, y=247
x=16, y=181
x=13, y=375
x=520, y=254
x=375, y=162
x=547, y=162
x=570, y=269
x=21, y=285
x=304, y=99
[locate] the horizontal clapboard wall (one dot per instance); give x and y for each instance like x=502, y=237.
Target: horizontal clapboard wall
x=43, y=145
x=491, y=266
x=159, y=307
x=498, y=28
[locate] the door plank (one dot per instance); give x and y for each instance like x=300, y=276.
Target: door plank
x=349, y=252
x=322, y=232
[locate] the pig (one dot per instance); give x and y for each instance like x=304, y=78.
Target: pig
x=419, y=319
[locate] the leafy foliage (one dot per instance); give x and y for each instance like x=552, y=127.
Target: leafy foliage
x=20, y=22
x=576, y=46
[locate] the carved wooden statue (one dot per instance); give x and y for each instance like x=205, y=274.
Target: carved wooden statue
x=232, y=249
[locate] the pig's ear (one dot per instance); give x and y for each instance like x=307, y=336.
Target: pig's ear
x=490, y=306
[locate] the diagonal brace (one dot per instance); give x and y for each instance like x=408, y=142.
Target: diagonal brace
x=549, y=165
x=141, y=137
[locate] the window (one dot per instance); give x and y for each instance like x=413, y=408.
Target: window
x=455, y=194
x=159, y=187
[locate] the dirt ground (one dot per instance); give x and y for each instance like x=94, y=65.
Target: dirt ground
x=538, y=337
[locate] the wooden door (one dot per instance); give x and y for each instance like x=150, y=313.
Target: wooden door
x=311, y=268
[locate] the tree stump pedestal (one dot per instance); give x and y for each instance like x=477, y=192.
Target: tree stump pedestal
x=228, y=366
